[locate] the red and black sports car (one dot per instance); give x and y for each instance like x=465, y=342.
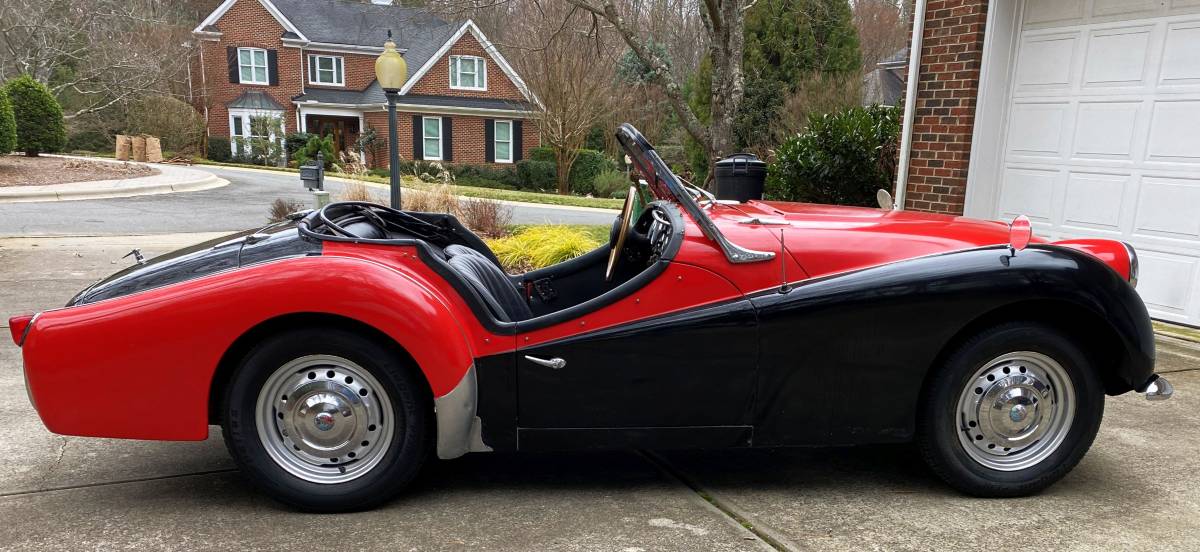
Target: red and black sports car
x=338, y=351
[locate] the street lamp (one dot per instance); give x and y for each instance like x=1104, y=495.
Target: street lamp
x=391, y=71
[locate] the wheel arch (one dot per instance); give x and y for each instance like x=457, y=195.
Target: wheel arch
x=287, y=322
x=1097, y=337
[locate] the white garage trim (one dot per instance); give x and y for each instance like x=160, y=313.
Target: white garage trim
x=1000, y=41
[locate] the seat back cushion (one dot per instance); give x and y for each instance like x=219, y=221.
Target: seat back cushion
x=501, y=296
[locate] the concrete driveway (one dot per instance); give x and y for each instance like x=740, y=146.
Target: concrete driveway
x=1138, y=488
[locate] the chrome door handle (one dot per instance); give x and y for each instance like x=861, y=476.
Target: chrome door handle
x=555, y=363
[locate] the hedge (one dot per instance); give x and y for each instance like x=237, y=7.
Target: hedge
x=8, y=124
x=219, y=149
x=39, y=118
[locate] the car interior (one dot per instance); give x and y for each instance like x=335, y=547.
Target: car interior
x=642, y=241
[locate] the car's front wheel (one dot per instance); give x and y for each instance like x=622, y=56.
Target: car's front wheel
x=326, y=420
x=1011, y=411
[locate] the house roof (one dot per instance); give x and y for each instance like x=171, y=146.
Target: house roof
x=882, y=86
x=899, y=58
x=358, y=23
x=255, y=99
x=373, y=96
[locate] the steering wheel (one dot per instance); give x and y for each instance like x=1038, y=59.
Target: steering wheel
x=623, y=230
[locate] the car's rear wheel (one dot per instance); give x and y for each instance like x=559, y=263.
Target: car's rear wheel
x=326, y=420
x=1011, y=411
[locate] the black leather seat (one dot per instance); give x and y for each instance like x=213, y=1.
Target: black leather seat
x=498, y=291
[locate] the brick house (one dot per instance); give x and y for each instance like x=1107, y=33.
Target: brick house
x=1083, y=115
x=310, y=64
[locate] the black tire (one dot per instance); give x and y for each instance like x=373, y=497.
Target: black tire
x=939, y=422
x=398, y=464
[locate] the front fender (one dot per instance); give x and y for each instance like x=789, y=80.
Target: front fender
x=140, y=366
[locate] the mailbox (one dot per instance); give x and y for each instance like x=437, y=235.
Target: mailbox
x=313, y=176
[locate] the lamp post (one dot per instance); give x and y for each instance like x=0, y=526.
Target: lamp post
x=391, y=70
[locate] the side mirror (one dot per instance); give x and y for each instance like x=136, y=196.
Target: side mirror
x=885, y=200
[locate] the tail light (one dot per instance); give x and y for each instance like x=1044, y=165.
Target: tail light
x=19, y=326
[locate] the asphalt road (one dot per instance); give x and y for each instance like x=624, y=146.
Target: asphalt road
x=1137, y=489
x=240, y=205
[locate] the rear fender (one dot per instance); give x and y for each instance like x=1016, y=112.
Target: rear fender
x=150, y=357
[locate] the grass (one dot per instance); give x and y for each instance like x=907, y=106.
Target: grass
x=534, y=247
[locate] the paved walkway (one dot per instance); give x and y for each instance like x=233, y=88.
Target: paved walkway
x=171, y=178
x=1138, y=488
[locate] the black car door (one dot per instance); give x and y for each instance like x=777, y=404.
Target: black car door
x=679, y=379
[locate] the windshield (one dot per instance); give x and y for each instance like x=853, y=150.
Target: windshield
x=665, y=185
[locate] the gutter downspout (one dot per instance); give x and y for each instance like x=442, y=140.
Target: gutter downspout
x=910, y=102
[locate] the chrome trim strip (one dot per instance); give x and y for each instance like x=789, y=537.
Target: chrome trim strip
x=28, y=328
x=1133, y=263
x=459, y=430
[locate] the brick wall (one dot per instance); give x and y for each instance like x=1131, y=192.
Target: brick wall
x=247, y=23
x=951, y=52
x=468, y=141
x=437, y=80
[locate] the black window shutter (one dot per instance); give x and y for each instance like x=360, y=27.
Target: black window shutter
x=273, y=67
x=489, y=140
x=418, y=142
x=447, y=139
x=517, y=141
x=231, y=57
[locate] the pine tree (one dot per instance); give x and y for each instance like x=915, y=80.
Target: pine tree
x=39, y=118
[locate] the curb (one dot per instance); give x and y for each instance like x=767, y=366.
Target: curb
x=184, y=181
x=1184, y=333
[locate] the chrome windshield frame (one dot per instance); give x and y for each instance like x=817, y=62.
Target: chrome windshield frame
x=650, y=165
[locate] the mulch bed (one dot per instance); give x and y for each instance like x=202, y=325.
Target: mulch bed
x=18, y=170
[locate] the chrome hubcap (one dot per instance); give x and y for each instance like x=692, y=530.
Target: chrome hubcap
x=1015, y=411
x=322, y=418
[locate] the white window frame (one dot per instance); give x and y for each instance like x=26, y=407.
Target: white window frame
x=426, y=138
x=266, y=66
x=456, y=73
x=245, y=115
x=496, y=140
x=314, y=71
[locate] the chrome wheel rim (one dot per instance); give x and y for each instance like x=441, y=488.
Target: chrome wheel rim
x=324, y=419
x=1015, y=411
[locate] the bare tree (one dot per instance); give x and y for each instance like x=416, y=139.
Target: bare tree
x=569, y=66
x=94, y=55
x=882, y=29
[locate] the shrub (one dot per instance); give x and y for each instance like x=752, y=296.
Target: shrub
x=542, y=153
x=842, y=158
x=173, y=121
x=589, y=164
x=486, y=176
x=219, y=149
x=541, y=246
x=39, y=118
x=308, y=153
x=281, y=208
x=8, y=124
x=439, y=199
x=90, y=140
x=535, y=175
x=294, y=142
x=608, y=183
x=487, y=217
x=357, y=191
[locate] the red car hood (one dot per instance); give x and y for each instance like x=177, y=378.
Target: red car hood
x=826, y=239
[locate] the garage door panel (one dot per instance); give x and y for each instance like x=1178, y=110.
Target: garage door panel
x=1181, y=55
x=1046, y=62
x=1028, y=192
x=1037, y=129
x=1053, y=11
x=1174, y=135
x=1167, y=207
x=1167, y=281
x=1105, y=130
x=1124, y=7
x=1094, y=201
x=1117, y=57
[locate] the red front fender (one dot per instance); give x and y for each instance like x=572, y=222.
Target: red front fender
x=140, y=366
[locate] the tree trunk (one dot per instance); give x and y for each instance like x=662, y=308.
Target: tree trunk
x=564, y=158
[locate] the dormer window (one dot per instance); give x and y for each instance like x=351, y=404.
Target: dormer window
x=326, y=70
x=467, y=73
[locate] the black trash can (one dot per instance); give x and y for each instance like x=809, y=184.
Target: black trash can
x=740, y=177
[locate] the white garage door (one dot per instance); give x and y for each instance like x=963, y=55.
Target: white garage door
x=1103, y=136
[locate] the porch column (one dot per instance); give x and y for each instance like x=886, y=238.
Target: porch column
x=944, y=116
